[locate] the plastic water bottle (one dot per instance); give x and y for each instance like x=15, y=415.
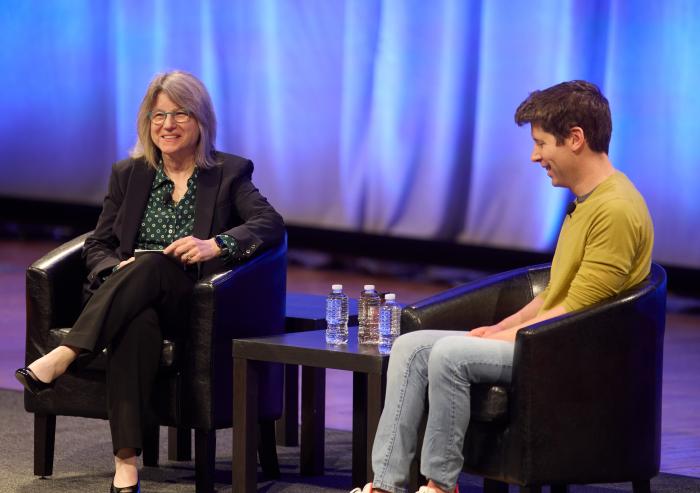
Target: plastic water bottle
x=368, y=316
x=337, y=316
x=389, y=323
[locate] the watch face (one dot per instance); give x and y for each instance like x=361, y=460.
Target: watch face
x=220, y=243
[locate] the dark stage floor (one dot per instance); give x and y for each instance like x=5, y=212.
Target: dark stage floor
x=680, y=445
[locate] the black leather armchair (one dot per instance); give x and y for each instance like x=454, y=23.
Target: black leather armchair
x=194, y=388
x=584, y=404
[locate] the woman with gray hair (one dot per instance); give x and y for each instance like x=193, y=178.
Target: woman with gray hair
x=199, y=211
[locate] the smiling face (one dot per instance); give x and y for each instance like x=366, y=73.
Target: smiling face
x=557, y=160
x=176, y=141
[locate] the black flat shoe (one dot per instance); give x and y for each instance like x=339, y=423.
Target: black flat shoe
x=126, y=489
x=26, y=377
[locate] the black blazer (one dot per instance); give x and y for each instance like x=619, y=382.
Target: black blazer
x=226, y=202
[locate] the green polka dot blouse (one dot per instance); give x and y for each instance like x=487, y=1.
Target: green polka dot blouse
x=165, y=220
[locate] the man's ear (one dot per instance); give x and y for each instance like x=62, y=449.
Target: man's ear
x=576, y=139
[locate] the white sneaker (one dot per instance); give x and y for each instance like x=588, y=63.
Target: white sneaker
x=425, y=489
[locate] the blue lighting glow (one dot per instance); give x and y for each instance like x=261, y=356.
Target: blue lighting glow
x=394, y=117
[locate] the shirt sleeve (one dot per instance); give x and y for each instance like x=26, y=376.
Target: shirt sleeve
x=231, y=247
x=611, y=247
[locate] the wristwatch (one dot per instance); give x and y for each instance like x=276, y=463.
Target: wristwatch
x=218, y=239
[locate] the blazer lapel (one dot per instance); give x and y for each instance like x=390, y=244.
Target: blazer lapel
x=137, y=193
x=208, y=181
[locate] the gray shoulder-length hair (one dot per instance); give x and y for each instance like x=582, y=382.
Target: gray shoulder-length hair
x=187, y=91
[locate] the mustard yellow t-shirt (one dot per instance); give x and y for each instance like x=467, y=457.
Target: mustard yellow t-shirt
x=604, y=247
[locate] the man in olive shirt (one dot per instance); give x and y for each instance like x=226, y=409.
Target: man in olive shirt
x=604, y=248
x=606, y=240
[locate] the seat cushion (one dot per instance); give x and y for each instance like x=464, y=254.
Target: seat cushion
x=168, y=358
x=489, y=403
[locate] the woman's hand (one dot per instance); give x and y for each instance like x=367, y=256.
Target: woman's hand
x=190, y=250
x=125, y=262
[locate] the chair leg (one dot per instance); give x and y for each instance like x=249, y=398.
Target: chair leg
x=179, y=444
x=151, y=439
x=493, y=486
x=641, y=486
x=267, y=450
x=559, y=488
x=204, y=460
x=44, y=440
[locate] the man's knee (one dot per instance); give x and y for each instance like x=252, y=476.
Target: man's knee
x=407, y=344
x=410, y=352
x=446, y=353
x=405, y=340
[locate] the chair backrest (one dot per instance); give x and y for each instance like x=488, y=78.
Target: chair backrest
x=54, y=285
x=482, y=302
x=586, y=391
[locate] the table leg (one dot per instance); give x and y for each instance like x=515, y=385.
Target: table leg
x=245, y=420
x=287, y=426
x=367, y=404
x=313, y=420
x=360, y=472
x=376, y=386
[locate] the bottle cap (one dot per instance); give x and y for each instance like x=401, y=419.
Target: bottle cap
x=337, y=287
x=369, y=287
x=389, y=297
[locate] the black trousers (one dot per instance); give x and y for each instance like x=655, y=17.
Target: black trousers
x=129, y=315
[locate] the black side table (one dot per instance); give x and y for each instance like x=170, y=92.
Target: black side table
x=310, y=350
x=304, y=312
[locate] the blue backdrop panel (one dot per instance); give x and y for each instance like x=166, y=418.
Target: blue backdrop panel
x=391, y=117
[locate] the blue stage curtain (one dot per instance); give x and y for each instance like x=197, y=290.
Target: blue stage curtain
x=391, y=117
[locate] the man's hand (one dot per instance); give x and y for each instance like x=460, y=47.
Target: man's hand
x=508, y=334
x=190, y=250
x=484, y=331
x=504, y=335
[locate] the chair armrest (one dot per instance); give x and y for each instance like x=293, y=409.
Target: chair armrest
x=54, y=293
x=246, y=301
x=586, y=387
x=483, y=302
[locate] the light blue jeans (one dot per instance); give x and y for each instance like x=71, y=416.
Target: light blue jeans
x=445, y=363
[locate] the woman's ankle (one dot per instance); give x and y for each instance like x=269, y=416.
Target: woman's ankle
x=125, y=468
x=67, y=354
x=63, y=357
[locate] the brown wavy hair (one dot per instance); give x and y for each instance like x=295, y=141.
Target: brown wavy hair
x=559, y=108
x=188, y=92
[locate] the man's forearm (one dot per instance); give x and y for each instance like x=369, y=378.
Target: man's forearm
x=509, y=333
x=526, y=313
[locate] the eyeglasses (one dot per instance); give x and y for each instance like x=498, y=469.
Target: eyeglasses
x=158, y=118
